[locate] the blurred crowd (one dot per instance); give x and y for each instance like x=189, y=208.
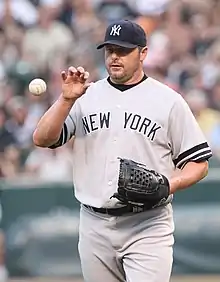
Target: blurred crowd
x=40, y=38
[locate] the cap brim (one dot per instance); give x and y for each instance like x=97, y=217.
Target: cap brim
x=118, y=43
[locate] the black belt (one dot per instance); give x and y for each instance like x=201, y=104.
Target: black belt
x=119, y=211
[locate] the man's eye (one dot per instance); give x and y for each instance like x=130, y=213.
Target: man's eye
x=112, y=50
x=120, y=51
x=125, y=51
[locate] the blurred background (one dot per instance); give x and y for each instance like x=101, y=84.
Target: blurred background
x=40, y=38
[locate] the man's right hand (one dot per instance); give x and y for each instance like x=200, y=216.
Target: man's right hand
x=74, y=83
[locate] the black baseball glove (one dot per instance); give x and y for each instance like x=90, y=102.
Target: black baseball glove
x=138, y=185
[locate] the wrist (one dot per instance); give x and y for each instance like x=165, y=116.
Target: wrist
x=174, y=184
x=67, y=101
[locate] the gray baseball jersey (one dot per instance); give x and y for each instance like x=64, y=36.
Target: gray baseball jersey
x=149, y=123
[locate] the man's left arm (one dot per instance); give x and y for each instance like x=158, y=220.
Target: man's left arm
x=190, y=174
x=189, y=147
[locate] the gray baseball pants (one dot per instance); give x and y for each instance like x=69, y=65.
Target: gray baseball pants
x=133, y=247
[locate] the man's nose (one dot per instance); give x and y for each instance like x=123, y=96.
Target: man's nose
x=114, y=55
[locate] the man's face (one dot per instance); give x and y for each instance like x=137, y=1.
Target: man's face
x=121, y=63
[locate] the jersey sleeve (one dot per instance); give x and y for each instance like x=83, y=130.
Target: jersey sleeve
x=187, y=140
x=69, y=128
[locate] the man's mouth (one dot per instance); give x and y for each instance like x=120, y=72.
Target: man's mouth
x=116, y=65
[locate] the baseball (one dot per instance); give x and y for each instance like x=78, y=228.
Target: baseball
x=37, y=86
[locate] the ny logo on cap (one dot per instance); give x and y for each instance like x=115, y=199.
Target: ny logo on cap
x=115, y=30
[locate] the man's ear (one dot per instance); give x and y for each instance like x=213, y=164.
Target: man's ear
x=143, y=53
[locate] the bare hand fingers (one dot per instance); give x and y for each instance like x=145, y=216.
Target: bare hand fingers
x=80, y=70
x=86, y=75
x=72, y=71
x=63, y=75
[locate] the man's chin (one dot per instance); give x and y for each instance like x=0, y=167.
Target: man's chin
x=116, y=75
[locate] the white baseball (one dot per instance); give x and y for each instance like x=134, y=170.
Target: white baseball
x=37, y=86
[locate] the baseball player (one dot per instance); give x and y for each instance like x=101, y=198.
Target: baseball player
x=136, y=144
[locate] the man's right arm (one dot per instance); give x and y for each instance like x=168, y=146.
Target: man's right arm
x=56, y=126
x=49, y=129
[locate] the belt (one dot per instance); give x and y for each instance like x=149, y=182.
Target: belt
x=119, y=211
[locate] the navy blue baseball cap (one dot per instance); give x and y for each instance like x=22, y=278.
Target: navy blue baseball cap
x=124, y=33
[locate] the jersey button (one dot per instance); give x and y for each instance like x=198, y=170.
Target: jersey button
x=118, y=106
x=110, y=183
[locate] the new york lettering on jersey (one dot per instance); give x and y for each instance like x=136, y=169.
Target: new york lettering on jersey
x=141, y=124
x=96, y=121
x=144, y=125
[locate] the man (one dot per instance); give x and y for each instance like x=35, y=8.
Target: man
x=134, y=117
